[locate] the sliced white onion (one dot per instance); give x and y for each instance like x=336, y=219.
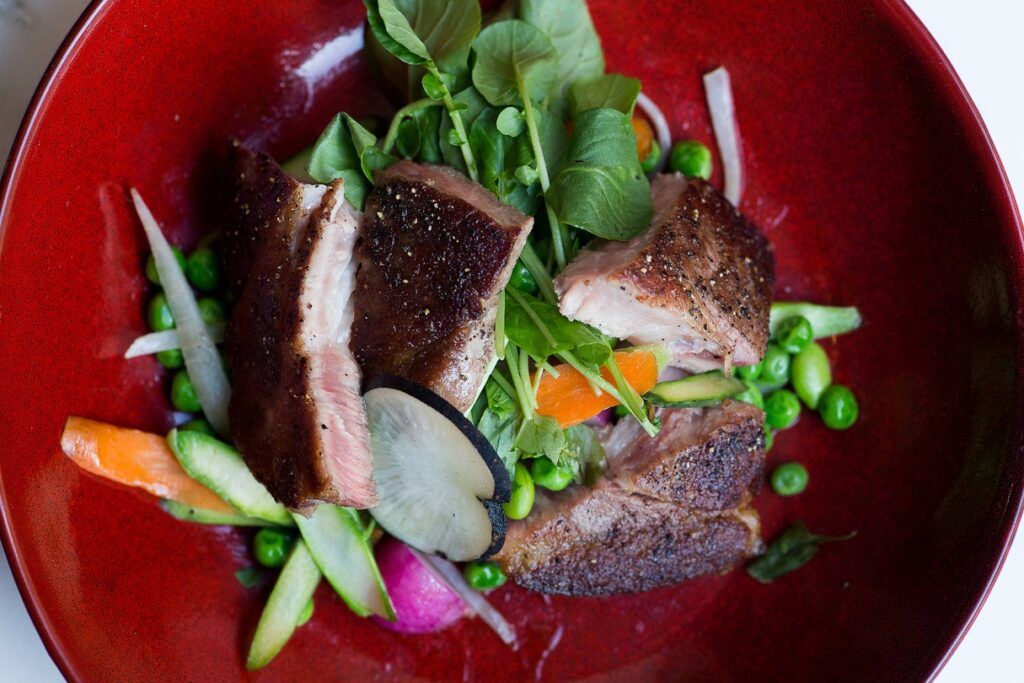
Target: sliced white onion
x=155, y=342
x=450, y=574
x=718, y=89
x=660, y=123
x=199, y=349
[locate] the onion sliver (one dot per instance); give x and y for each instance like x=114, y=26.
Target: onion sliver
x=451, y=575
x=718, y=89
x=199, y=349
x=660, y=123
x=155, y=342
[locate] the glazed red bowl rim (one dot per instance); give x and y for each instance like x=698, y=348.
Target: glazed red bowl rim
x=925, y=45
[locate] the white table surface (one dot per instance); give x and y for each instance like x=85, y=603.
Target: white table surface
x=982, y=38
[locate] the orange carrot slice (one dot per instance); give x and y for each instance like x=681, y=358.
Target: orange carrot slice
x=135, y=458
x=569, y=398
x=644, y=136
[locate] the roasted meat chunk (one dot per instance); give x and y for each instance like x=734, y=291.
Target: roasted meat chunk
x=436, y=250
x=669, y=508
x=296, y=411
x=703, y=459
x=605, y=541
x=698, y=281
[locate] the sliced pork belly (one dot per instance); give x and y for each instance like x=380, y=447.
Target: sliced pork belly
x=605, y=541
x=669, y=508
x=699, y=280
x=296, y=410
x=436, y=251
x=708, y=459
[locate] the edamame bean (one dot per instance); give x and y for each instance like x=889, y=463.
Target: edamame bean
x=523, y=493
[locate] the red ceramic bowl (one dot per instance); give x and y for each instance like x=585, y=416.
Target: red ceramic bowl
x=868, y=168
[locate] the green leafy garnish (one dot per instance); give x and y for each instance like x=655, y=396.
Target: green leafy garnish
x=602, y=188
x=609, y=91
x=791, y=550
x=569, y=27
x=347, y=150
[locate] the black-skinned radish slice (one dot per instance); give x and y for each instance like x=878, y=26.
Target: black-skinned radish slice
x=440, y=483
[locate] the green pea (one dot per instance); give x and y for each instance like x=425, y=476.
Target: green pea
x=523, y=493
x=198, y=425
x=774, y=367
x=789, y=479
x=484, y=576
x=212, y=310
x=203, y=269
x=183, y=393
x=751, y=372
x=171, y=358
x=549, y=476
x=271, y=547
x=769, y=438
x=794, y=334
x=307, y=613
x=811, y=374
x=692, y=159
x=151, y=273
x=522, y=279
x=159, y=316
x=650, y=163
x=751, y=395
x=782, y=409
x=838, y=407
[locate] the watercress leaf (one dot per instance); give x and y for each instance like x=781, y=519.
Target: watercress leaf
x=429, y=122
x=554, y=139
x=541, y=330
x=609, y=91
x=409, y=138
x=527, y=175
x=542, y=435
x=492, y=152
x=569, y=27
x=602, y=188
x=510, y=122
x=445, y=29
x=434, y=87
x=791, y=550
x=513, y=59
x=498, y=400
x=590, y=346
x=374, y=159
x=583, y=445
x=501, y=433
x=472, y=104
x=335, y=156
x=393, y=31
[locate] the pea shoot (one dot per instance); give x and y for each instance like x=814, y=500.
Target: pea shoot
x=782, y=409
x=484, y=576
x=692, y=159
x=838, y=407
x=789, y=479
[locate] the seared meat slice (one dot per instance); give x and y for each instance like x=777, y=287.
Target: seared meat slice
x=699, y=280
x=436, y=250
x=703, y=459
x=604, y=541
x=296, y=411
x=669, y=508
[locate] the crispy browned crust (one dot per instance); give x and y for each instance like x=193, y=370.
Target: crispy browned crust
x=707, y=259
x=271, y=412
x=606, y=541
x=252, y=208
x=702, y=459
x=431, y=266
